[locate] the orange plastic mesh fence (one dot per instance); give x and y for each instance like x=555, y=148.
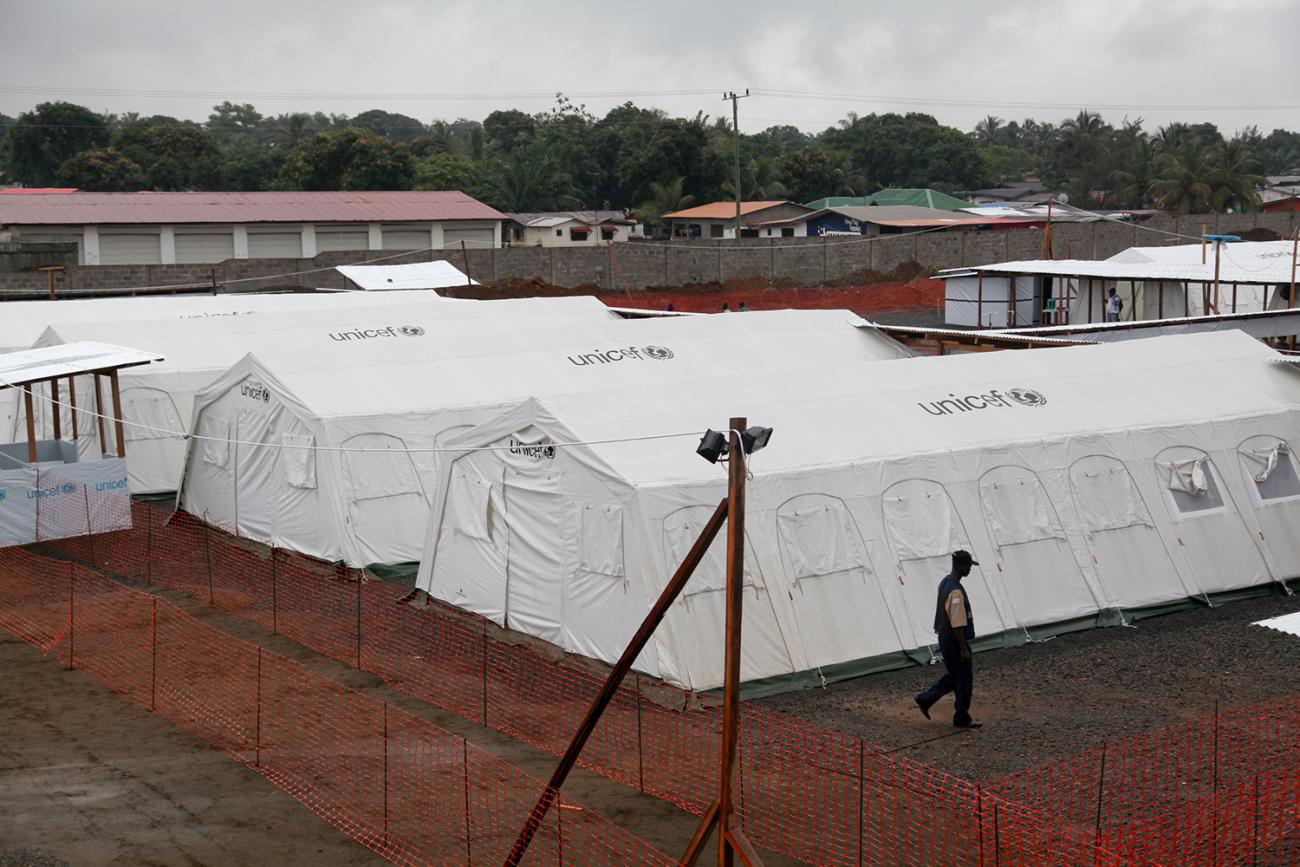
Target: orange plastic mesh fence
x=395, y=782
x=807, y=792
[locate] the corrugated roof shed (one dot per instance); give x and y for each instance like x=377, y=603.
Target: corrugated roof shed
x=723, y=210
x=275, y=207
x=924, y=198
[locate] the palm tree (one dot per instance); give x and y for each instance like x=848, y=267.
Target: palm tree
x=846, y=179
x=665, y=198
x=1133, y=185
x=527, y=180
x=1235, y=178
x=291, y=130
x=987, y=130
x=1184, y=185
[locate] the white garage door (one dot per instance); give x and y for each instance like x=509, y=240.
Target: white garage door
x=407, y=238
x=474, y=237
x=274, y=243
x=342, y=238
x=204, y=245
x=129, y=248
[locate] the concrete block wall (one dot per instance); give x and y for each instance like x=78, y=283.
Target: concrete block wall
x=636, y=265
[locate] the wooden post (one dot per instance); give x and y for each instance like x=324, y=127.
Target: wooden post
x=1218, y=245
x=1234, y=297
x=1160, y=301
x=670, y=593
x=99, y=414
x=1205, y=230
x=72, y=402
x=50, y=271
x=57, y=408
x=735, y=591
x=979, y=303
x=464, y=252
x=118, y=432
x=31, y=424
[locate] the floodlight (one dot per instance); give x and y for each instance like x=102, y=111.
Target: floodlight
x=713, y=446
x=755, y=438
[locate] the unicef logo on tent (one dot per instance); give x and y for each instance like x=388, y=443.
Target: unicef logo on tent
x=1027, y=397
x=658, y=353
x=411, y=331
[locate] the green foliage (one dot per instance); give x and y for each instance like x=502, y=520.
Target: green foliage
x=351, y=159
x=444, y=171
x=102, y=171
x=171, y=156
x=40, y=141
x=397, y=127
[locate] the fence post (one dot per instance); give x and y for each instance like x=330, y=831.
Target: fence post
x=469, y=847
x=148, y=544
x=1214, y=802
x=385, y=773
x=1254, y=825
x=997, y=839
x=862, y=796
x=640, y=749
x=207, y=560
x=1101, y=787
x=485, y=673
x=153, y=663
x=90, y=534
x=257, y=714
x=360, y=578
x=559, y=829
x=72, y=616
x=275, y=596
x=979, y=818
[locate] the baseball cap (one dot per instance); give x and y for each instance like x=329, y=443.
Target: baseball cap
x=964, y=557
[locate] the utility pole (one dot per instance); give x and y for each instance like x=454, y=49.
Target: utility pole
x=735, y=130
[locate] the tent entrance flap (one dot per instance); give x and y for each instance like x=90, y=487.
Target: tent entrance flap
x=534, y=571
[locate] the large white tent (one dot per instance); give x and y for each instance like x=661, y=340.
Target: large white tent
x=332, y=452
x=1092, y=482
x=158, y=400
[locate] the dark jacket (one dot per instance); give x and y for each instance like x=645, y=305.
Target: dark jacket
x=946, y=586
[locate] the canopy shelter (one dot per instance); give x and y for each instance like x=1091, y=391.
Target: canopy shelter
x=1094, y=483
x=333, y=452
x=417, y=275
x=37, y=470
x=1151, y=286
x=160, y=398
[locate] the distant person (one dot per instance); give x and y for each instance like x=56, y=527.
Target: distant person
x=743, y=307
x=1114, y=304
x=726, y=308
x=669, y=308
x=955, y=627
x=1281, y=297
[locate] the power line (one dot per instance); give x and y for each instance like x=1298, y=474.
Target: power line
x=341, y=95
x=1001, y=103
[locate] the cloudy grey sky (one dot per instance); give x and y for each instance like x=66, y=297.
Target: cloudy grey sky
x=1232, y=63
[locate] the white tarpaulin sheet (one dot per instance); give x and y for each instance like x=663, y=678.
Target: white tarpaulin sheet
x=418, y=275
x=38, y=503
x=67, y=359
x=1288, y=623
x=1055, y=468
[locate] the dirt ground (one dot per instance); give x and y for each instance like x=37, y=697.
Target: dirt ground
x=1046, y=700
x=91, y=778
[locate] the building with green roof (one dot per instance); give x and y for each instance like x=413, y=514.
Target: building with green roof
x=923, y=198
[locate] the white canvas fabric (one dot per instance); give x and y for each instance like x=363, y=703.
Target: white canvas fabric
x=158, y=400
x=1052, y=466
x=379, y=409
x=417, y=275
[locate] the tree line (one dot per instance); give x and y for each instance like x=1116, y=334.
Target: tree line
x=567, y=158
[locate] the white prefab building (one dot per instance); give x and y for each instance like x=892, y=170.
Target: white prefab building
x=158, y=400
x=1093, y=483
x=352, y=432
x=204, y=227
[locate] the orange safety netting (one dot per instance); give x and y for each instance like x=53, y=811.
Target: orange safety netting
x=813, y=794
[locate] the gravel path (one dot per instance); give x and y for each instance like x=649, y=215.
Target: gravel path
x=1046, y=700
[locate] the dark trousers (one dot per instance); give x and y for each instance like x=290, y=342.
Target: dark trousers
x=958, y=678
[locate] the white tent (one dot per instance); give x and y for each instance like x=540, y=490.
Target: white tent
x=348, y=465
x=22, y=322
x=1089, y=481
x=1264, y=261
x=418, y=275
x=158, y=400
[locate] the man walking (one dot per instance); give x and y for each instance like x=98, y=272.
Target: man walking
x=955, y=627
x=1114, y=304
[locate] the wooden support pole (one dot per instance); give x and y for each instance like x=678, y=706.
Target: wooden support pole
x=1218, y=245
x=642, y=637
x=99, y=414
x=56, y=409
x=979, y=302
x=735, y=591
x=31, y=424
x=1290, y=301
x=72, y=402
x=118, y=432
x=1160, y=301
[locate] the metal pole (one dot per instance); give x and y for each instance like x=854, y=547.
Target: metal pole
x=257, y=714
x=485, y=673
x=979, y=818
x=1290, y=301
x=275, y=596
x=153, y=665
x=670, y=592
x=1218, y=245
x=385, y=772
x=1101, y=787
x=464, y=252
x=640, y=749
x=735, y=129
x=360, y=576
x=207, y=560
x=72, y=616
x=1254, y=826
x=469, y=848
x=1214, y=829
x=862, y=795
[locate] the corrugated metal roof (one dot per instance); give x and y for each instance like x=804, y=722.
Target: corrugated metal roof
x=68, y=359
x=1277, y=271
x=276, y=207
x=723, y=210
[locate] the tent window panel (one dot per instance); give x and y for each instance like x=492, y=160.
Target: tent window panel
x=817, y=539
x=681, y=529
x=150, y=415
x=379, y=466
x=1107, y=497
x=473, y=504
x=1192, y=486
x=216, y=441
x=299, y=459
x=1273, y=471
x=600, y=550
x=1017, y=510
x=921, y=520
